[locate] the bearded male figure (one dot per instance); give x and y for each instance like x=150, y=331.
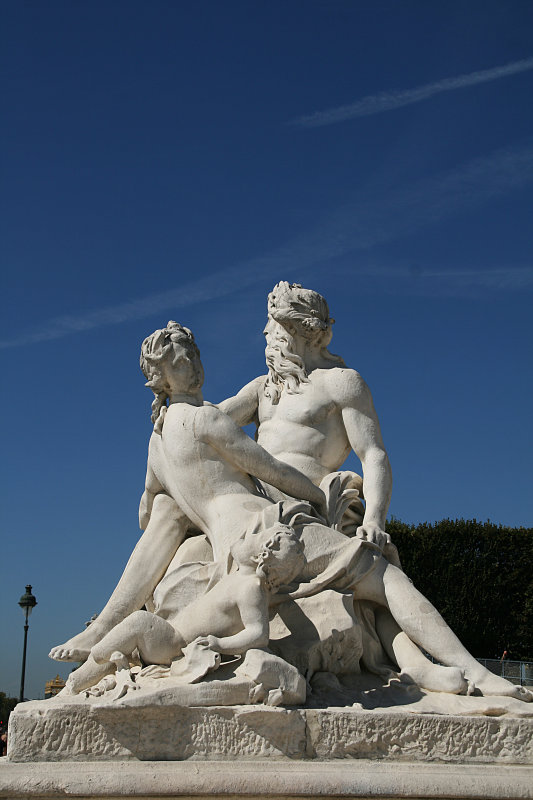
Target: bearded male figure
x=310, y=411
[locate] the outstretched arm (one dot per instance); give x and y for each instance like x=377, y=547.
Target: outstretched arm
x=243, y=407
x=364, y=434
x=217, y=429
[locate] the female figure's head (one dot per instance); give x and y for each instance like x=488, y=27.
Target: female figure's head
x=170, y=361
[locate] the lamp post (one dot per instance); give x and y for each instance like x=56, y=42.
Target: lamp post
x=27, y=603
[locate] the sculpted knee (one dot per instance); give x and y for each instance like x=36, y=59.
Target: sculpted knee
x=167, y=511
x=164, y=504
x=137, y=621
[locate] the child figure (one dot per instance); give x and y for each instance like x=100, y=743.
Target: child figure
x=231, y=618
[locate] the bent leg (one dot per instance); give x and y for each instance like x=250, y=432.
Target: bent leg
x=413, y=663
x=155, y=639
x=89, y=674
x=420, y=620
x=147, y=564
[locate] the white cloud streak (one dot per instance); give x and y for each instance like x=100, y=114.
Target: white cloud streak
x=212, y=287
x=370, y=221
x=500, y=278
x=389, y=101
x=418, y=280
x=377, y=218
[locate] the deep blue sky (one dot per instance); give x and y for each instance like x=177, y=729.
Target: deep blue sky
x=161, y=160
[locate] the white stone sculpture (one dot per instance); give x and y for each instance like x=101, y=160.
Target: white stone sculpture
x=229, y=619
x=212, y=495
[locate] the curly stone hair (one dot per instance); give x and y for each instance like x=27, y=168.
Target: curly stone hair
x=306, y=311
x=154, y=350
x=281, y=557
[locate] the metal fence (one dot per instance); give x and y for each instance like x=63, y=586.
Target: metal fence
x=515, y=671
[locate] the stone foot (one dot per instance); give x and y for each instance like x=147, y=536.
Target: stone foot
x=89, y=674
x=489, y=684
x=436, y=678
x=79, y=647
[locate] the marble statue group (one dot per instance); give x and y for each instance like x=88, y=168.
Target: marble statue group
x=262, y=564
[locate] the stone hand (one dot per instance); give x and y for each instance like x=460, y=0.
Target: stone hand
x=371, y=532
x=209, y=642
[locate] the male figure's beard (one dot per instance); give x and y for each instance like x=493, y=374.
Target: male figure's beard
x=286, y=370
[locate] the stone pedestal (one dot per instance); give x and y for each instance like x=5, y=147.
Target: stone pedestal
x=264, y=779
x=149, y=751
x=77, y=731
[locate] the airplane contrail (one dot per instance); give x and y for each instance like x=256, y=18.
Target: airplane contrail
x=355, y=227
x=388, y=101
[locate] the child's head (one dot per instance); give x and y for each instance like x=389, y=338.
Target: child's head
x=281, y=557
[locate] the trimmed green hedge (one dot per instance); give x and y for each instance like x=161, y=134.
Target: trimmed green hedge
x=7, y=704
x=479, y=576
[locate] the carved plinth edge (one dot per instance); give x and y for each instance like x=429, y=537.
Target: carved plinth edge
x=262, y=778
x=223, y=733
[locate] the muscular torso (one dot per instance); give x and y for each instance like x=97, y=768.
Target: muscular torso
x=306, y=429
x=217, y=497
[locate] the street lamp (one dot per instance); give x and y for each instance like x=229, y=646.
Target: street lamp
x=27, y=603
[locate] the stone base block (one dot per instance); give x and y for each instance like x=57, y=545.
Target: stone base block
x=48, y=731
x=264, y=780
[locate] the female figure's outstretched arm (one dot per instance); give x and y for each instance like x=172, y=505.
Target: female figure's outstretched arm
x=166, y=529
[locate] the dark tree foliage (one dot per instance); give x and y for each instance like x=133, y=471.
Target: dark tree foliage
x=7, y=704
x=479, y=576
